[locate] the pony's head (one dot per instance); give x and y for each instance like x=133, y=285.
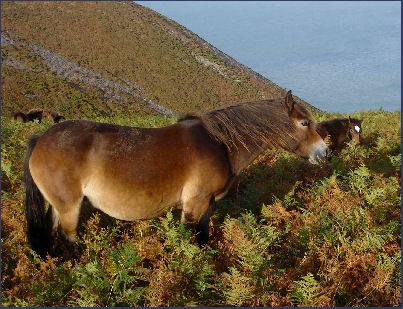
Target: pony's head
x=354, y=129
x=308, y=143
x=247, y=129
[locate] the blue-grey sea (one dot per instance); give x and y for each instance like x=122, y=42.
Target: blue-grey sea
x=339, y=56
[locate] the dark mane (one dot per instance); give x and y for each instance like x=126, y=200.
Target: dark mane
x=188, y=116
x=251, y=124
x=343, y=121
x=355, y=121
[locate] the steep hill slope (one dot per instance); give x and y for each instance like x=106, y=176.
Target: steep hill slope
x=115, y=57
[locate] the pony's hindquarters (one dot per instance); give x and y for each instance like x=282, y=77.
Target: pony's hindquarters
x=44, y=180
x=39, y=220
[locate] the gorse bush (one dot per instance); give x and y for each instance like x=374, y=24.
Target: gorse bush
x=287, y=234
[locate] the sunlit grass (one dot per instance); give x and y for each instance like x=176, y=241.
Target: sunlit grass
x=289, y=234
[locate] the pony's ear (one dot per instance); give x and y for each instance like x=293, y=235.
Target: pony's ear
x=288, y=102
x=349, y=119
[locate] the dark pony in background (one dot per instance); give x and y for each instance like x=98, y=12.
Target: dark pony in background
x=20, y=116
x=38, y=114
x=134, y=173
x=339, y=131
x=31, y=115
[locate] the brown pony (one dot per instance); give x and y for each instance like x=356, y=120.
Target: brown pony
x=38, y=114
x=35, y=114
x=339, y=131
x=32, y=115
x=56, y=117
x=135, y=173
x=20, y=116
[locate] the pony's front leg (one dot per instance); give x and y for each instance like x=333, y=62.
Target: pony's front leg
x=202, y=227
x=196, y=214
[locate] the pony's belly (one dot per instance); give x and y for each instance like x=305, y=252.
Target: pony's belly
x=128, y=204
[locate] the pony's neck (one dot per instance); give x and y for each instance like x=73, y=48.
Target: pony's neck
x=242, y=157
x=345, y=128
x=344, y=123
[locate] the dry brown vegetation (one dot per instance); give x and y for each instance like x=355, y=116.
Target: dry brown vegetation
x=288, y=234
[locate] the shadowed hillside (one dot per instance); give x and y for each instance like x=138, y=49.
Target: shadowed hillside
x=121, y=57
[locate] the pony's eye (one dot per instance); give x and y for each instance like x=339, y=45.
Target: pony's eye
x=305, y=123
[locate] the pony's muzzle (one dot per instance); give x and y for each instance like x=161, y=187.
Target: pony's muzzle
x=319, y=153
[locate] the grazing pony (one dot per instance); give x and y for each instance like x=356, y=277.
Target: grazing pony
x=56, y=117
x=20, y=116
x=35, y=114
x=339, y=131
x=32, y=115
x=134, y=173
x=38, y=114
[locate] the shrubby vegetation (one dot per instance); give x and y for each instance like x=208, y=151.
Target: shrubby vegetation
x=288, y=233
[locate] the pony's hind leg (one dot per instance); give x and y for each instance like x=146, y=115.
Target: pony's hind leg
x=65, y=220
x=64, y=196
x=66, y=217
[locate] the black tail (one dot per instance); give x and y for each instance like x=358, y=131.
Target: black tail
x=39, y=220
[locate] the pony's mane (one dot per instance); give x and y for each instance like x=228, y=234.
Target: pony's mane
x=258, y=124
x=340, y=120
x=188, y=116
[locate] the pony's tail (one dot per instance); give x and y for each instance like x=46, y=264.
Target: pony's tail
x=39, y=220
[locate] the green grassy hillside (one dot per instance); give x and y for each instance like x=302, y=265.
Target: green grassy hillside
x=48, y=63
